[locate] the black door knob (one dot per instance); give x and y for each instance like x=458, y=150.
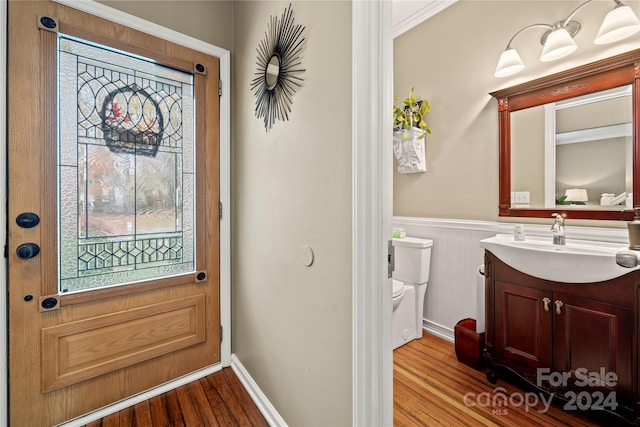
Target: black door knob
x=27, y=250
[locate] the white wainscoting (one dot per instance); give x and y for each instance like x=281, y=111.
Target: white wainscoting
x=455, y=258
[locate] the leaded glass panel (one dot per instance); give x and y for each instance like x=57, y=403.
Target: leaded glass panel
x=126, y=168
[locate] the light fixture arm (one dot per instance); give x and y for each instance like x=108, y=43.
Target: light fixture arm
x=565, y=21
x=547, y=26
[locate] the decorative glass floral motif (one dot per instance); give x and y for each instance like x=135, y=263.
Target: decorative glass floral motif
x=132, y=122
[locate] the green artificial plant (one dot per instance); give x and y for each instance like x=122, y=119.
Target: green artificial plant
x=411, y=114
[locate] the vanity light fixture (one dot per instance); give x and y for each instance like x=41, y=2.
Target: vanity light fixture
x=559, y=44
x=621, y=22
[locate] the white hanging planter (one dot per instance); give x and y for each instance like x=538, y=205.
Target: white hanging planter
x=408, y=147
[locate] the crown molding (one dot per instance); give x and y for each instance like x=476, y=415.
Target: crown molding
x=431, y=8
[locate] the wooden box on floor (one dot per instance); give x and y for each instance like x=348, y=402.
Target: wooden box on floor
x=468, y=343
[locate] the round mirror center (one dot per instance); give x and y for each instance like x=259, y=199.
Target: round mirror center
x=272, y=72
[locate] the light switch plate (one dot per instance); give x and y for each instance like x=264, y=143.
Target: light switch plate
x=522, y=197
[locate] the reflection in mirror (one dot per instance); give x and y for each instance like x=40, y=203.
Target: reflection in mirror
x=272, y=72
x=527, y=156
x=593, y=149
x=588, y=146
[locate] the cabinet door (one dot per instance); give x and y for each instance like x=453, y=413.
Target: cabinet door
x=594, y=336
x=523, y=326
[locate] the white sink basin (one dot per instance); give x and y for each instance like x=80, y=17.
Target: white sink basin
x=579, y=261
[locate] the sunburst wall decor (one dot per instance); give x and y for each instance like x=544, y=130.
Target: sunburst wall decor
x=279, y=65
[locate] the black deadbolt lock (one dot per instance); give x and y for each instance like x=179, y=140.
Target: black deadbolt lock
x=49, y=303
x=27, y=220
x=201, y=275
x=27, y=250
x=48, y=22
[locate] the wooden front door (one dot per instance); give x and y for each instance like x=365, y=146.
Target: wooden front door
x=113, y=246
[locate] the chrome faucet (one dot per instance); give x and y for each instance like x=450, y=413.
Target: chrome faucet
x=557, y=229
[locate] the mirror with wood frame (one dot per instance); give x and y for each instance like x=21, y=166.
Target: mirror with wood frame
x=529, y=108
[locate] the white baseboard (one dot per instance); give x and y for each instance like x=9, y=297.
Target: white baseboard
x=266, y=408
x=438, y=330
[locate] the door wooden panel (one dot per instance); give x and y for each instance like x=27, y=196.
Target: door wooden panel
x=75, y=351
x=96, y=347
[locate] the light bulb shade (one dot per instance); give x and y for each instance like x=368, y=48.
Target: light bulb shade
x=509, y=63
x=576, y=195
x=558, y=45
x=619, y=24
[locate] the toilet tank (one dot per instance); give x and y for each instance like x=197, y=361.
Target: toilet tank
x=412, y=259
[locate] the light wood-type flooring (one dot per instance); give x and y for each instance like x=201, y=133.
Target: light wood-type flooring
x=430, y=386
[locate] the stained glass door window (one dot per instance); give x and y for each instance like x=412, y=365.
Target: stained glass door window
x=126, y=169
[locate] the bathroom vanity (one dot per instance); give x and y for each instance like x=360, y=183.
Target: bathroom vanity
x=573, y=339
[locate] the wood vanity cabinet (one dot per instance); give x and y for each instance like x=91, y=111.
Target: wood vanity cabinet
x=539, y=330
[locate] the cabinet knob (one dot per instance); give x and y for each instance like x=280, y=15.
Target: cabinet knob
x=559, y=305
x=546, y=302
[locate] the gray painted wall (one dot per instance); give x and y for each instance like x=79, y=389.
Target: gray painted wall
x=292, y=187
x=208, y=20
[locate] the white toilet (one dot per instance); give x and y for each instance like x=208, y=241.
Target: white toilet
x=410, y=277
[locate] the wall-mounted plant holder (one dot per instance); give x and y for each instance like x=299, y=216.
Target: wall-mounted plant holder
x=408, y=147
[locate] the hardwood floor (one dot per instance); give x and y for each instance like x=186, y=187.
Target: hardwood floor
x=215, y=400
x=430, y=387
x=429, y=383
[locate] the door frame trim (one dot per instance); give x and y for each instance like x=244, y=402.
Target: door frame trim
x=372, y=205
x=159, y=31
x=4, y=309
